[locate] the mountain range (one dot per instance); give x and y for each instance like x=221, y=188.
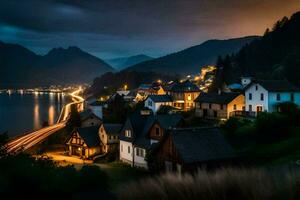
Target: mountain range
x=124, y=62
x=20, y=67
x=190, y=60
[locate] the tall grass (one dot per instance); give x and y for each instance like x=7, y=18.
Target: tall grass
x=224, y=184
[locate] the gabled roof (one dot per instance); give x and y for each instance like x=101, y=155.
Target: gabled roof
x=97, y=103
x=86, y=114
x=165, y=121
x=144, y=86
x=275, y=85
x=168, y=121
x=89, y=135
x=223, y=98
x=200, y=145
x=137, y=123
x=112, y=129
x=186, y=86
x=160, y=98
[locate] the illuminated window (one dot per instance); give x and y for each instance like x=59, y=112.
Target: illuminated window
x=128, y=133
x=140, y=152
x=189, y=97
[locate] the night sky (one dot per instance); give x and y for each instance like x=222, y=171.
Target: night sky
x=114, y=28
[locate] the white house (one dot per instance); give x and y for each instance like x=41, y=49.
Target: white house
x=154, y=102
x=266, y=95
x=131, y=131
x=139, y=132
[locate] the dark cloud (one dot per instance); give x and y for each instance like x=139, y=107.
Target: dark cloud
x=119, y=27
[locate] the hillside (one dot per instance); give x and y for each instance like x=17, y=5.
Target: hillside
x=275, y=56
x=22, y=68
x=124, y=62
x=192, y=59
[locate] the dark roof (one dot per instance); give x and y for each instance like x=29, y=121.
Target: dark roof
x=86, y=114
x=276, y=85
x=97, y=103
x=145, y=86
x=166, y=122
x=200, y=145
x=112, y=129
x=186, y=86
x=89, y=135
x=160, y=98
x=223, y=98
x=137, y=123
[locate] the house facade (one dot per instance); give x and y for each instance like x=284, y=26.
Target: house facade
x=140, y=132
x=84, y=142
x=109, y=136
x=219, y=105
x=266, y=95
x=183, y=95
x=154, y=102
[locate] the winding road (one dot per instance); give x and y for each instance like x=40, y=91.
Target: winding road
x=26, y=141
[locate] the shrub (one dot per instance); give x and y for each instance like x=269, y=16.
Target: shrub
x=222, y=184
x=232, y=125
x=271, y=126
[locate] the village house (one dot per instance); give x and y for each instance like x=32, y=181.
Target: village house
x=84, y=142
x=183, y=95
x=88, y=118
x=140, y=131
x=149, y=89
x=154, y=102
x=109, y=136
x=266, y=95
x=189, y=149
x=219, y=105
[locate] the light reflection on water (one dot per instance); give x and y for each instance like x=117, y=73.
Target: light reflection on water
x=23, y=112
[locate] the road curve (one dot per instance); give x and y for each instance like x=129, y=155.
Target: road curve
x=27, y=141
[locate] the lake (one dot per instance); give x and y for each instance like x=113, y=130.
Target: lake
x=24, y=112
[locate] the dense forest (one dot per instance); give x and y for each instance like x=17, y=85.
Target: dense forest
x=274, y=56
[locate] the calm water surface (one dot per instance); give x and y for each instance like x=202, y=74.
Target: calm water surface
x=20, y=113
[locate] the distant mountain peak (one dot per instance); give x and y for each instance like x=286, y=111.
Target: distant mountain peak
x=58, y=66
x=124, y=62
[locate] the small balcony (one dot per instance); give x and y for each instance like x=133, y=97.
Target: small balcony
x=242, y=113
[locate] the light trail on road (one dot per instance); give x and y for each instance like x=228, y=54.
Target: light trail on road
x=26, y=141
x=67, y=108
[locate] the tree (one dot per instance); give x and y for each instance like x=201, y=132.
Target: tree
x=267, y=31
